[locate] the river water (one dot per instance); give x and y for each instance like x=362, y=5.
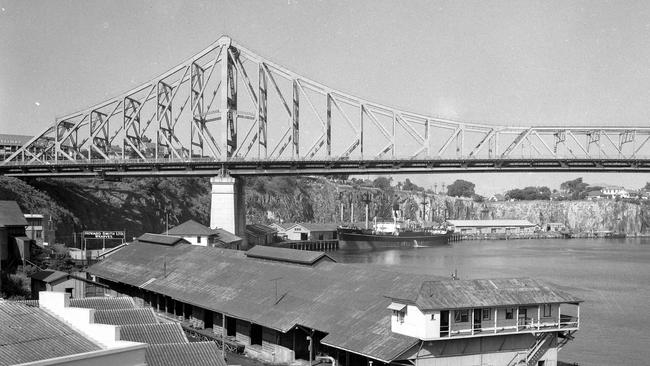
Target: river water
x=612, y=276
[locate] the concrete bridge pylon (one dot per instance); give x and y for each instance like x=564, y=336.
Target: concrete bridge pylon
x=228, y=206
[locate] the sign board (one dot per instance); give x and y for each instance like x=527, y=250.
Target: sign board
x=103, y=234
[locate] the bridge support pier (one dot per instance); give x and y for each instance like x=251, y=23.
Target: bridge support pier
x=228, y=206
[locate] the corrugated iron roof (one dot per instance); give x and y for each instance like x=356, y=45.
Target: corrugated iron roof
x=11, y=215
x=260, y=229
x=153, y=333
x=286, y=255
x=310, y=226
x=103, y=303
x=190, y=227
x=48, y=275
x=284, y=226
x=229, y=282
x=484, y=223
x=195, y=354
x=459, y=294
x=126, y=316
x=226, y=237
x=160, y=239
x=29, y=333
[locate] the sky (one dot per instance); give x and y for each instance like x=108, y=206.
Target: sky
x=495, y=62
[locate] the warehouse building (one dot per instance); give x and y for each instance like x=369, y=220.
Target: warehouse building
x=472, y=227
x=283, y=305
x=311, y=231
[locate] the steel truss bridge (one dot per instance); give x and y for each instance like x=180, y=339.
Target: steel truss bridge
x=227, y=109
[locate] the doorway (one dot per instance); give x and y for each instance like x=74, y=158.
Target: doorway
x=208, y=319
x=444, y=323
x=256, y=334
x=477, y=319
x=231, y=326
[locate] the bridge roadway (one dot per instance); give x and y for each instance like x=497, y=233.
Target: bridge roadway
x=212, y=167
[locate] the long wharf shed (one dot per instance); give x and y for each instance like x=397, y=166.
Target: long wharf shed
x=278, y=301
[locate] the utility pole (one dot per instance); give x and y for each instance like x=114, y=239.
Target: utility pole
x=424, y=206
x=367, y=198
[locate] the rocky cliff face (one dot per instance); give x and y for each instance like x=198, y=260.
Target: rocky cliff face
x=577, y=216
x=143, y=205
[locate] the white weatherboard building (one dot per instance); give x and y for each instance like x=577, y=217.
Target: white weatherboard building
x=486, y=322
x=615, y=191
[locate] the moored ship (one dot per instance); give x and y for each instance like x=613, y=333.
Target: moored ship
x=390, y=235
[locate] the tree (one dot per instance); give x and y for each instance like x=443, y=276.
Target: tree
x=461, y=188
x=529, y=194
x=576, y=189
x=382, y=183
x=410, y=186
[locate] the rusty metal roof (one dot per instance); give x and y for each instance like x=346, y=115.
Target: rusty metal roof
x=450, y=294
x=195, y=354
x=286, y=255
x=103, y=303
x=153, y=333
x=29, y=333
x=346, y=301
x=11, y=215
x=126, y=316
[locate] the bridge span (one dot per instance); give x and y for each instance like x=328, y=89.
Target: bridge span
x=210, y=167
x=227, y=112
x=227, y=108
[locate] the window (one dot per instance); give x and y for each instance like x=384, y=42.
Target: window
x=461, y=316
x=320, y=236
x=509, y=313
x=486, y=313
x=198, y=239
x=547, y=310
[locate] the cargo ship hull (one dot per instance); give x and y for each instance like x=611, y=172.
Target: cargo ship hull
x=349, y=240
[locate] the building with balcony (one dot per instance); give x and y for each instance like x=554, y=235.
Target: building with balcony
x=513, y=321
x=283, y=305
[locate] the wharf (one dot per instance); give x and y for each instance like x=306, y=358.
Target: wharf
x=312, y=245
x=502, y=236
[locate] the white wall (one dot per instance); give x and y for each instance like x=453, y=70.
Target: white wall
x=82, y=320
x=294, y=233
x=417, y=324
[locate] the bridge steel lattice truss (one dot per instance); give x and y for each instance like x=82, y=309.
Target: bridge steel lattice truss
x=227, y=109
